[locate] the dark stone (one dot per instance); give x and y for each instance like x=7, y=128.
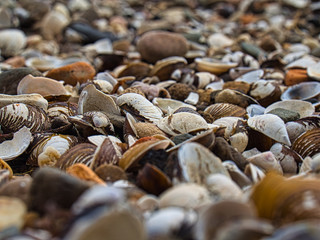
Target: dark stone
x=285, y=115
x=52, y=187
x=10, y=79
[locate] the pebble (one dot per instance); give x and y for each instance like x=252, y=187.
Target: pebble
x=285, y=114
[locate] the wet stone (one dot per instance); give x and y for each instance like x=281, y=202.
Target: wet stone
x=285, y=115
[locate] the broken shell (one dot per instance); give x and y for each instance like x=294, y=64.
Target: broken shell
x=233, y=97
x=139, y=70
x=47, y=149
x=265, y=92
x=240, y=86
x=168, y=106
x=295, y=128
x=197, y=163
x=313, y=71
x=271, y=126
x=220, y=110
x=12, y=212
x=288, y=158
x=186, y=195
x=295, y=76
x=41, y=85
x=11, y=149
x=213, y=66
x=308, y=143
x=30, y=99
x=5, y=167
x=15, y=116
x=80, y=153
x=139, y=106
x=302, y=91
x=236, y=174
x=251, y=77
x=266, y=161
x=254, y=173
x=164, y=67
x=305, y=109
x=191, y=123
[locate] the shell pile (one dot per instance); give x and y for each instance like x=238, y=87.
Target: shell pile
x=193, y=120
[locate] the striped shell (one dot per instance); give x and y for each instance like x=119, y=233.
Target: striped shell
x=17, y=115
x=308, y=143
x=219, y=110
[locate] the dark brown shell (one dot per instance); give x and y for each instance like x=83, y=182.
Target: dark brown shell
x=308, y=143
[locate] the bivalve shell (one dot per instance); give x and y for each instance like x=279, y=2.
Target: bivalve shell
x=295, y=128
x=308, y=143
x=15, y=116
x=219, y=110
x=313, y=71
x=305, y=109
x=213, y=66
x=12, y=41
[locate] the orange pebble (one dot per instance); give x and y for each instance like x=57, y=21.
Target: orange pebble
x=73, y=73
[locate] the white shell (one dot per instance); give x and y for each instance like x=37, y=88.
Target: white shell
x=262, y=89
x=314, y=72
x=295, y=128
x=31, y=99
x=266, y=161
x=304, y=108
x=168, y=105
x=11, y=149
x=140, y=105
x=271, y=126
x=12, y=41
x=182, y=122
x=197, y=163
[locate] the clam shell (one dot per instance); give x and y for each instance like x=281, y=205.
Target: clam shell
x=266, y=161
x=80, y=153
x=251, y=77
x=219, y=110
x=139, y=106
x=182, y=122
x=302, y=91
x=305, y=109
x=168, y=106
x=17, y=115
x=163, y=68
x=11, y=149
x=271, y=126
x=197, y=163
x=308, y=143
x=30, y=99
x=295, y=128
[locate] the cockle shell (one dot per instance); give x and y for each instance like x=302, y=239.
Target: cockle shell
x=308, y=143
x=139, y=106
x=271, y=126
x=219, y=110
x=11, y=149
x=182, y=122
x=15, y=116
x=197, y=163
x=295, y=128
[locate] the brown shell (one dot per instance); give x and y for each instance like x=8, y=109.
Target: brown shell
x=110, y=173
x=164, y=68
x=80, y=153
x=240, y=86
x=139, y=70
x=219, y=110
x=17, y=115
x=308, y=143
x=83, y=172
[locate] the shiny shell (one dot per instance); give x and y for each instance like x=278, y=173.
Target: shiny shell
x=295, y=128
x=139, y=106
x=168, y=106
x=271, y=126
x=213, y=66
x=172, y=124
x=305, y=109
x=164, y=67
x=15, y=116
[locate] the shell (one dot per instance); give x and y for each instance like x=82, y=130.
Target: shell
x=213, y=66
x=173, y=126
x=295, y=128
x=168, y=106
x=186, y=195
x=12, y=41
x=251, y=77
x=11, y=149
x=15, y=116
x=265, y=92
x=83, y=172
x=47, y=149
x=29, y=99
x=197, y=163
x=308, y=143
x=219, y=110
x=266, y=161
x=302, y=91
x=80, y=153
x=139, y=106
x=163, y=68
x=254, y=173
x=271, y=126
x=313, y=71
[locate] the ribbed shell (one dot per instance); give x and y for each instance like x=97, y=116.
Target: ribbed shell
x=308, y=143
x=219, y=110
x=17, y=115
x=81, y=153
